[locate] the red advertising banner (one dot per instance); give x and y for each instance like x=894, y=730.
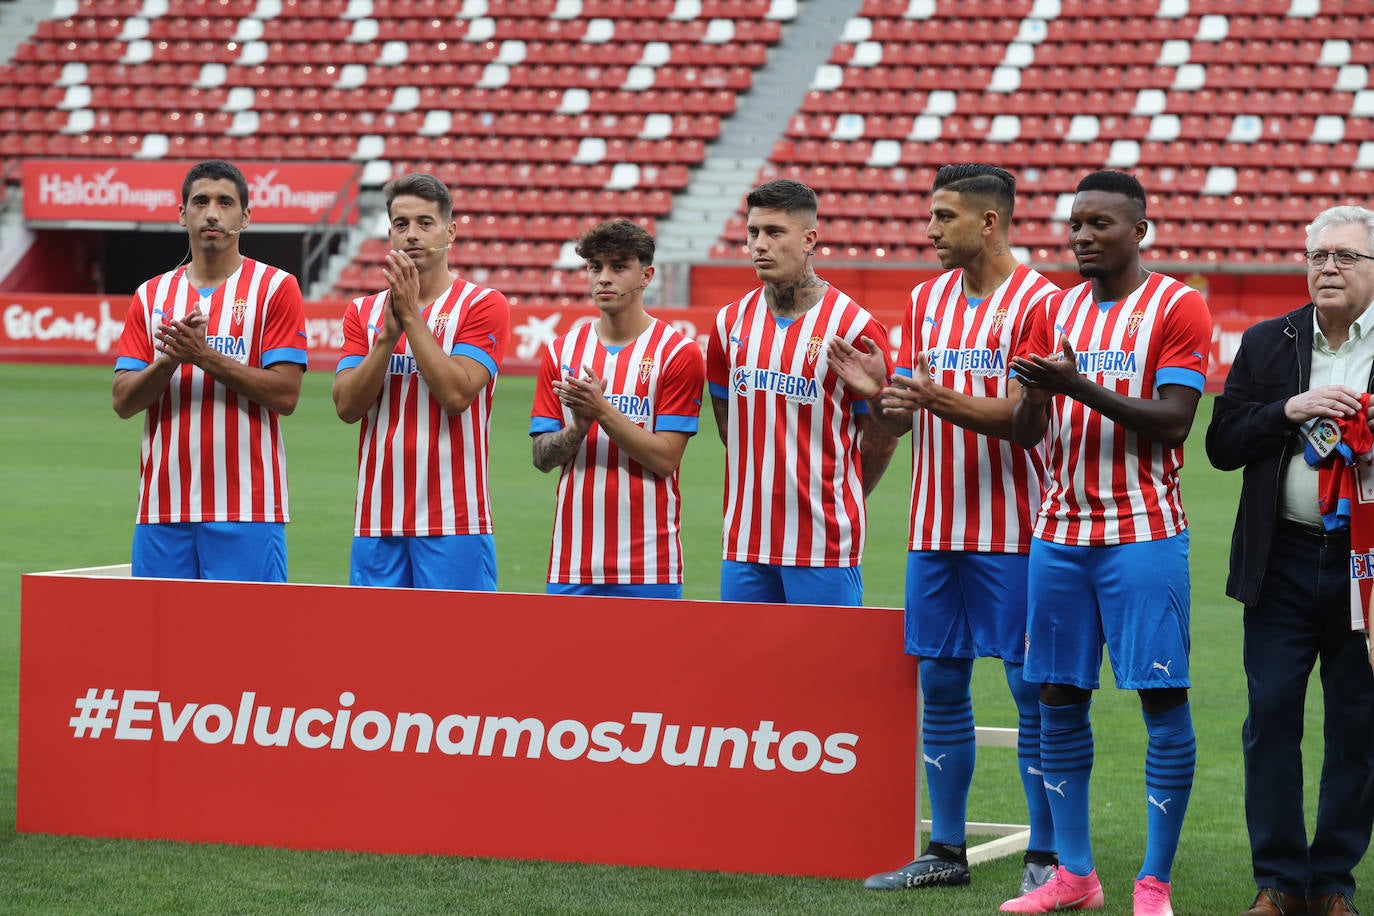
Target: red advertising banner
x=45, y=327
x=150, y=191
x=86, y=329
x=684, y=734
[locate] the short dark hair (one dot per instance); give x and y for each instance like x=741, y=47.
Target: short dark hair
x=996, y=187
x=791, y=197
x=616, y=238
x=215, y=169
x=1115, y=182
x=424, y=186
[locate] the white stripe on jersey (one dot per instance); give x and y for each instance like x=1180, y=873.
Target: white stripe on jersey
x=969, y=491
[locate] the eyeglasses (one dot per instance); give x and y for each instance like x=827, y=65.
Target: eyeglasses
x=1345, y=260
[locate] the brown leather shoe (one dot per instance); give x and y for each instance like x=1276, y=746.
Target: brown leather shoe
x=1271, y=902
x=1332, y=905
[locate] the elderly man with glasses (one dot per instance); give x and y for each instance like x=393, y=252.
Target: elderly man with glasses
x=1293, y=394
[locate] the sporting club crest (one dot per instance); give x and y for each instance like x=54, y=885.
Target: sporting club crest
x=646, y=369
x=239, y=309
x=998, y=317
x=1133, y=323
x=813, y=349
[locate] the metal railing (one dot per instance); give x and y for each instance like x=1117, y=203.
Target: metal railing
x=318, y=243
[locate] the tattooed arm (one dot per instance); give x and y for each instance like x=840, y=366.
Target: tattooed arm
x=555, y=449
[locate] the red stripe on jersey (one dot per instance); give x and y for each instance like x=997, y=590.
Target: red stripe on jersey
x=969, y=491
x=615, y=521
x=1107, y=484
x=793, y=494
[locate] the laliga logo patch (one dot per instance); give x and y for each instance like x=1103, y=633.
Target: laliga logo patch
x=239, y=308
x=813, y=349
x=1323, y=435
x=646, y=368
x=1133, y=323
x=739, y=381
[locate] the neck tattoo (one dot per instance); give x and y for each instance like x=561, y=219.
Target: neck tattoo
x=788, y=300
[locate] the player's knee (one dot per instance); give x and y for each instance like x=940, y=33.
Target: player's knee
x=1063, y=695
x=946, y=680
x=1025, y=693
x=1155, y=702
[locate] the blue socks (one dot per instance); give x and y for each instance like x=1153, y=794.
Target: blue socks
x=1027, y=697
x=950, y=754
x=948, y=743
x=1066, y=752
x=1170, y=758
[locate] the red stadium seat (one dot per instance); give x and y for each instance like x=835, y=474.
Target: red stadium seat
x=1251, y=237
x=1285, y=239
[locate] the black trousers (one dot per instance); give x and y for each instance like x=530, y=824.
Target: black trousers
x=1302, y=619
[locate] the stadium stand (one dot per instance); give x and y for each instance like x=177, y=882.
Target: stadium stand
x=546, y=115
x=1210, y=102
x=533, y=110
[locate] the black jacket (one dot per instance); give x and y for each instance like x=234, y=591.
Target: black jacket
x=1249, y=430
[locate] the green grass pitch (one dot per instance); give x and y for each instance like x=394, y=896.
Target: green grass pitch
x=71, y=469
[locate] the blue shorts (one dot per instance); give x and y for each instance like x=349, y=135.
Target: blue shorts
x=232, y=551
x=466, y=562
x=1132, y=597
x=769, y=583
x=964, y=604
x=617, y=589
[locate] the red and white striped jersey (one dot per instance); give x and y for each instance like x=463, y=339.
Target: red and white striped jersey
x=616, y=521
x=421, y=471
x=793, y=487
x=969, y=491
x=1107, y=484
x=209, y=454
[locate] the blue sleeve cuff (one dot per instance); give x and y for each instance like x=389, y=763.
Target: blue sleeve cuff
x=541, y=425
x=903, y=371
x=860, y=405
x=347, y=362
x=1188, y=378
x=129, y=362
x=284, y=355
x=673, y=424
x=717, y=391
x=477, y=353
